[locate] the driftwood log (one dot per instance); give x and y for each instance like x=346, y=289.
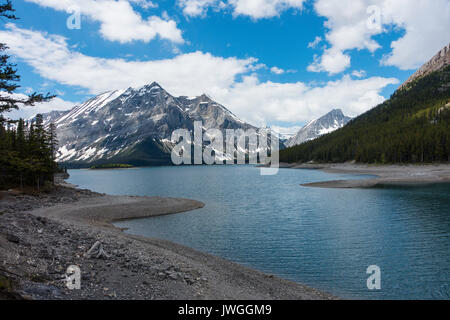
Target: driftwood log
x=96, y=251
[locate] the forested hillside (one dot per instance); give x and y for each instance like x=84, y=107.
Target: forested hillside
x=413, y=126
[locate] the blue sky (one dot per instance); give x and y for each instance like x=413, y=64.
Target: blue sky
x=257, y=57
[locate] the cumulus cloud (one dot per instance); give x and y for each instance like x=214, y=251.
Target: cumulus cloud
x=193, y=74
x=277, y=70
x=332, y=61
x=427, y=26
x=262, y=102
x=352, y=24
x=359, y=73
x=256, y=9
x=51, y=57
x=118, y=20
x=197, y=8
x=27, y=112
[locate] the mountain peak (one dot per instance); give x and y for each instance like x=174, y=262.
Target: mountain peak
x=438, y=62
x=155, y=84
x=205, y=97
x=333, y=120
x=338, y=112
x=149, y=86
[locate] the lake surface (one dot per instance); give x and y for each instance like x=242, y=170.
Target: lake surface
x=325, y=238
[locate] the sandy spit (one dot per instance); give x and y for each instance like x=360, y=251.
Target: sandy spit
x=384, y=174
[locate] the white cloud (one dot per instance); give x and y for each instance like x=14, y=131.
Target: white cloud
x=118, y=20
x=359, y=73
x=256, y=9
x=50, y=56
x=197, y=8
x=315, y=43
x=426, y=24
x=27, y=112
x=262, y=102
x=332, y=61
x=286, y=132
x=277, y=70
x=145, y=4
x=193, y=74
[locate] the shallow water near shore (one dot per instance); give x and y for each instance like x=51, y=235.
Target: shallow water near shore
x=324, y=238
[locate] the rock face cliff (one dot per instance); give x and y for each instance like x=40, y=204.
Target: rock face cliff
x=438, y=62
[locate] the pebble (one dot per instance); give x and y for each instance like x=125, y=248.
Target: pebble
x=12, y=238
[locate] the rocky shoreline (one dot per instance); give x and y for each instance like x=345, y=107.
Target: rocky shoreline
x=42, y=235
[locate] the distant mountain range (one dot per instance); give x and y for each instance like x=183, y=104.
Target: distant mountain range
x=413, y=126
x=133, y=126
x=330, y=122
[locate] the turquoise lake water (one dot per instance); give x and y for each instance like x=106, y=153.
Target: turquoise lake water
x=325, y=238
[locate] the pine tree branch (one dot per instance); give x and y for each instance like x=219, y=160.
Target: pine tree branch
x=6, y=11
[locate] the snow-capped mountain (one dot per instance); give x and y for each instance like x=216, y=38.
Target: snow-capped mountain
x=328, y=123
x=133, y=125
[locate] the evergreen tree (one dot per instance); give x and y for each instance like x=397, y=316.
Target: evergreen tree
x=27, y=151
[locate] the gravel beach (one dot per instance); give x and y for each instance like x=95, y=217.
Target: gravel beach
x=41, y=236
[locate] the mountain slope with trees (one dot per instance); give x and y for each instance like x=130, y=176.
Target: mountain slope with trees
x=413, y=126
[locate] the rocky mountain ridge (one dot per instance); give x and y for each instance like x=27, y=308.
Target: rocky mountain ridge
x=438, y=62
x=134, y=125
